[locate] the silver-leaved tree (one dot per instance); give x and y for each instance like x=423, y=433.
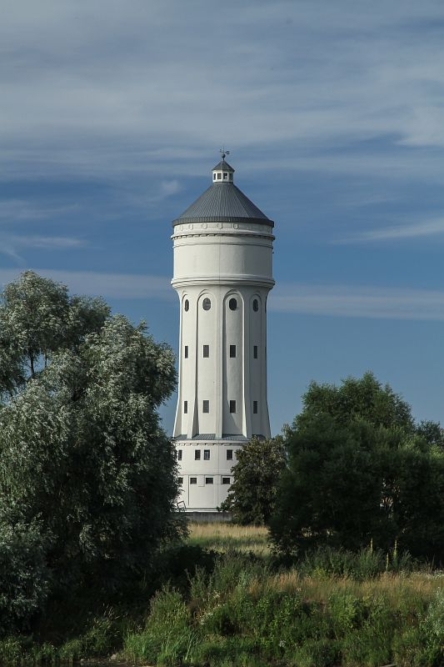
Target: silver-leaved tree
x=87, y=476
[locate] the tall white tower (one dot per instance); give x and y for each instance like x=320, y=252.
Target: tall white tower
x=223, y=248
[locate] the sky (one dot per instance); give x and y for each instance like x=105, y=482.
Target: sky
x=112, y=115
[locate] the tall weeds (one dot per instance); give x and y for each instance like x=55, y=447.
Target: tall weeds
x=246, y=613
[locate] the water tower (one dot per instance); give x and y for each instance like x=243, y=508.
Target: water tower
x=223, y=247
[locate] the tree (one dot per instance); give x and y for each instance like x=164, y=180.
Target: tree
x=357, y=398
x=256, y=474
x=86, y=472
x=359, y=472
x=38, y=318
x=432, y=432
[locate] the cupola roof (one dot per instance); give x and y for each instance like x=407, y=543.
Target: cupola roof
x=223, y=202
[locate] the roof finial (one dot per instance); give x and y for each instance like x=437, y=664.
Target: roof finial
x=223, y=152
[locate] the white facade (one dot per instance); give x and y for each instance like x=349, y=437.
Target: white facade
x=222, y=274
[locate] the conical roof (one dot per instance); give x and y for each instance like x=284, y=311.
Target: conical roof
x=223, y=202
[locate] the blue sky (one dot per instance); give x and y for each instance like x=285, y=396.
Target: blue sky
x=112, y=114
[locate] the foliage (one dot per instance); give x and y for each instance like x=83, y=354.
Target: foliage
x=245, y=614
x=87, y=476
x=431, y=432
x=359, y=472
x=362, y=399
x=331, y=608
x=256, y=474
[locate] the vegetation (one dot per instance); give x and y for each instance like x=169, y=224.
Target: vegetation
x=92, y=559
x=251, y=498
x=359, y=471
x=87, y=477
x=331, y=608
x=229, y=537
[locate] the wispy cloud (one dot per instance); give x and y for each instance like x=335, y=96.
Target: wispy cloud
x=128, y=88
x=24, y=210
x=108, y=285
x=367, y=302
x=331, y=300
x=398, y=232
x=10, y=244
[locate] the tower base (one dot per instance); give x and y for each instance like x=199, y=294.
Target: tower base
x=205, y=472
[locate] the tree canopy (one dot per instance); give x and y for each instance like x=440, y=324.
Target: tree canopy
x=360, y=471
x=87, y=476
x=251, y=497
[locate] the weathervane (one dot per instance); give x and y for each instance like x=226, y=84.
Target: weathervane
x=223, y=152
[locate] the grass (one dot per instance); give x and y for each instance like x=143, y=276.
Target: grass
x=332, y=609
x=223, y=600
x=223, y=537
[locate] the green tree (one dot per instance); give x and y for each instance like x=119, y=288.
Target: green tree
x=359, y=472
x=87, y=476
x=256, y=474
x=432, y=432
x=356, y=399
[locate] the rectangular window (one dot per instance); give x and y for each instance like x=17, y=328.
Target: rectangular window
x=205, y=406
x=225, y=480
x=206, y=454
x=255, y=351
x=193, y=480
x=232, y=406
x=197, y=455
x=179, y=454
x=186, y=352
x=180, y=481
x=206, y=351
x=229, y=454
x=185, y=407
x=255, y=407
x=208, y=480
x=233, y=351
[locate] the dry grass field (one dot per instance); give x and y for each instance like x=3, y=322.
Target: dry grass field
x=226, y=536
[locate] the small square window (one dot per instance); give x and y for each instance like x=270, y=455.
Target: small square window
x=206, y=350
x=180, y=481
x=193, y=480
x=225, y=177
x=232, y=406
x=185, y=407
x=205, y=406
x=206, y=454
x=232, y=351
x=226, y=480
x=255, y=407
x=229, y=454
x=208, y=480
x=186, y=352
x=219, y=177
x=179, y=454
x=197, y=455
x=255, y=351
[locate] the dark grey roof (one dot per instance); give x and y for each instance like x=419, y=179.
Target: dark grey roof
x=223, y=166
x=223, y=202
